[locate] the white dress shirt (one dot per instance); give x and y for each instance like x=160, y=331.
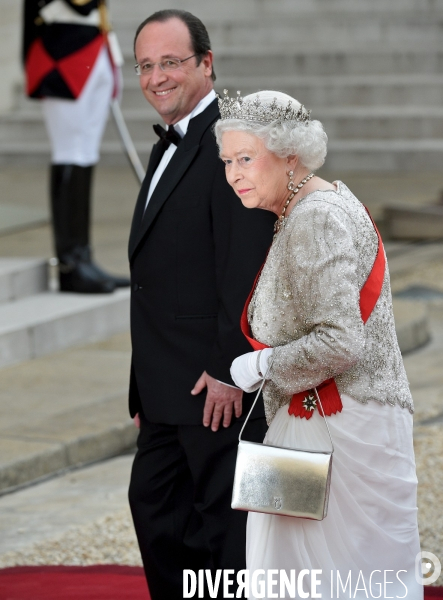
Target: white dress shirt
x=181, y=128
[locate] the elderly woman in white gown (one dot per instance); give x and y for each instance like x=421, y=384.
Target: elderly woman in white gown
x=306, y=308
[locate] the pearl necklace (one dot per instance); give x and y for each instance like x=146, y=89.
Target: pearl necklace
x=294, y=190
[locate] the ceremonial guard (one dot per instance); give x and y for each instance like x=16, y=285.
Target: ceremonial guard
x=71, y=63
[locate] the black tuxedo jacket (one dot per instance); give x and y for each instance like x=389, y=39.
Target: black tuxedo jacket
x=194, y=254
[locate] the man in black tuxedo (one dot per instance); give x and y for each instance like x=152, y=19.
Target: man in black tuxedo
x=194, y=252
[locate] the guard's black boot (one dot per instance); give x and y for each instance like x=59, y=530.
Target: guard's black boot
x=78, y=275
x=70, y=204
x=119, y=282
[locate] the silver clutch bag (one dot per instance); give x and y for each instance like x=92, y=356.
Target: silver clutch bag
x=282, y=481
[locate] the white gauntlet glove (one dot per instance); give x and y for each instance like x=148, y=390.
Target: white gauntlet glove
x=248, y=370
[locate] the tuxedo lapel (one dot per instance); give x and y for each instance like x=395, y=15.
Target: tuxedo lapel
x=177, y=167
x=154, y=160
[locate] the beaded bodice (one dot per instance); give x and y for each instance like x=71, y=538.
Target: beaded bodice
x=306, y=306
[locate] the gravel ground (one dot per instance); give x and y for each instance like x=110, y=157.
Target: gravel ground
x=111, y=539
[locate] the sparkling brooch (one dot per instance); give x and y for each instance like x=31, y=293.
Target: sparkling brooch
x=310, y=402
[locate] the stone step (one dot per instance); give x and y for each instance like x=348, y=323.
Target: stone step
x=338, y=31
x=14, y=217
x=414, y=222
x=385, y=155
x=411, y=324
x=354, y=122
x=381, y=122
x=374, y=61
x=22, y=277
x=245, y=9
x=64, y=410
x=347, y=90
x=46, y=512
x=46, y=322
x=68, y=439
x=406, y=257
x=343, y=155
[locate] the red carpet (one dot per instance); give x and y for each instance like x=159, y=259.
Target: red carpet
x=101, y=582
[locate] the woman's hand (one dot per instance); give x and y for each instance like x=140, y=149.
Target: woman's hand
x=248, y=370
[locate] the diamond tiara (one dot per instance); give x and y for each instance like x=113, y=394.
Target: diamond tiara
x=260, y=112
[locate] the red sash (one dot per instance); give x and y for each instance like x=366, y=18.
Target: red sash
x=328, y=392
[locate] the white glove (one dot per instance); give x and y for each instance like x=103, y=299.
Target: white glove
x=244, y=370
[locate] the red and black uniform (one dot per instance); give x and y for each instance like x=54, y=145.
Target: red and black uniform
x=59, y=57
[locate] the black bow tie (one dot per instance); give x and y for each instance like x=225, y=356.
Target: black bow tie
x=168, y=137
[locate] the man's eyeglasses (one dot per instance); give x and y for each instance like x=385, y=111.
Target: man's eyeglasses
x=169, y=64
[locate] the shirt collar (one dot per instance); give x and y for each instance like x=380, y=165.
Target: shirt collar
x=182, y=126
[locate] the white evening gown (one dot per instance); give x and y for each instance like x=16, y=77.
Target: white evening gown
x=372, y=517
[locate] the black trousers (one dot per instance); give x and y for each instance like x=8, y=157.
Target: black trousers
x=180, y=498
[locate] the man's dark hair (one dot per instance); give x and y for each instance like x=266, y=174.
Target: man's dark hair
x=200, y=41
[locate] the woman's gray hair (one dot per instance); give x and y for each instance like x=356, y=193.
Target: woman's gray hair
x=308, y=140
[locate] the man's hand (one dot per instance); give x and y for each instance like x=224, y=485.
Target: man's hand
x=221, y=401
x=136, y=420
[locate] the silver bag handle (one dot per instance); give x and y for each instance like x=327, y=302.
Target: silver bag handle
x=271, y=362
